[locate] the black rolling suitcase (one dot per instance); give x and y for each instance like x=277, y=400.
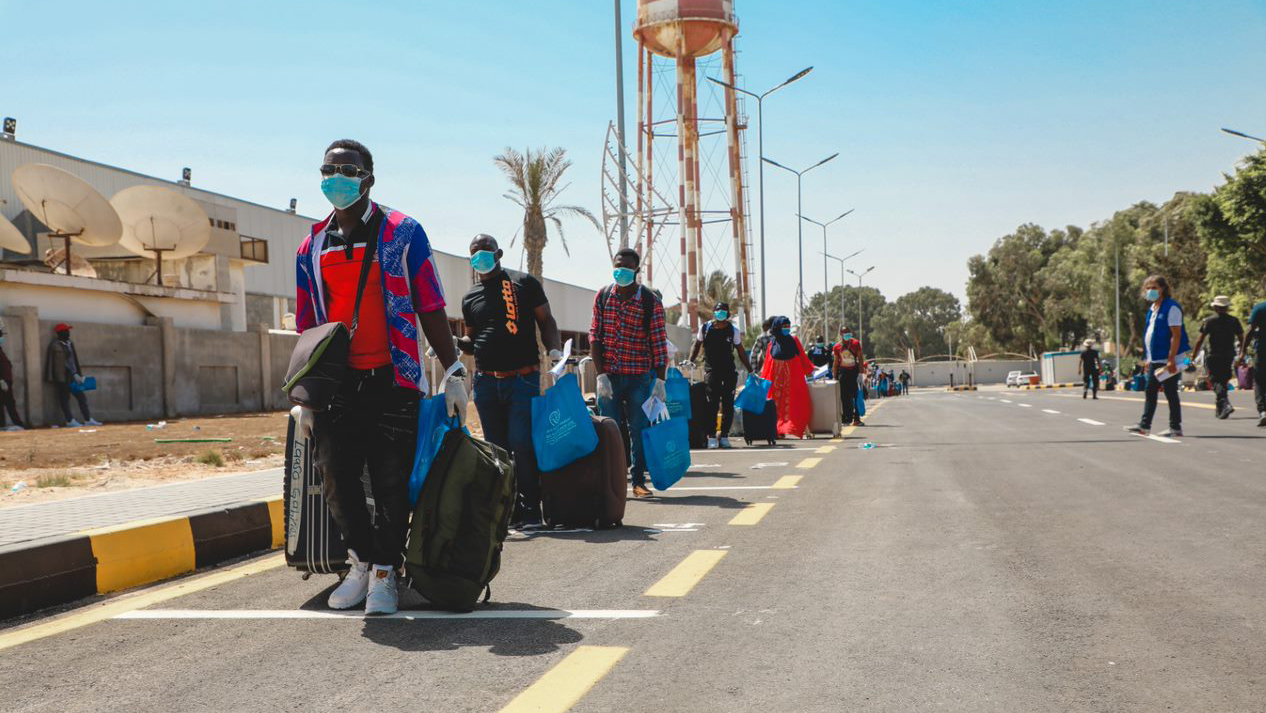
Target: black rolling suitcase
x=313, y=542
x=698, y=430
x=761, y=426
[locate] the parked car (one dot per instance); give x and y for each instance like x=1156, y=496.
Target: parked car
x=1013, y=378
x=1028, y=377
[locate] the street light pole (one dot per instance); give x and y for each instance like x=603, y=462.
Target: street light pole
x=799, y=224
x=1116, y=334
x=826, y=287
x=841, y=261
x=760, y=149
x=859, y=277
x=619, y=110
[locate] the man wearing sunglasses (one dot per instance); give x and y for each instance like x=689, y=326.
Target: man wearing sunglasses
x=372, y=422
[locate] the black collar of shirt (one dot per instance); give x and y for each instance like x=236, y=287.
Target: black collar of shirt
x=365, y=231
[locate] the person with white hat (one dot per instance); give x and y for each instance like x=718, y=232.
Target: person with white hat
x=1089, y=367
x=1222, y=330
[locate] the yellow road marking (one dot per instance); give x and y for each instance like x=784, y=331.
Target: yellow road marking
x=277, y=518
x=809, y=462
x=564, y=685
x=686, y=575
x=843, y=432
x=752, y=514
x=118, y=605
x=787, y=482
x=825, y=449
x=1185, y=404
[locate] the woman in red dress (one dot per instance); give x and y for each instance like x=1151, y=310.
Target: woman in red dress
x=787, y=366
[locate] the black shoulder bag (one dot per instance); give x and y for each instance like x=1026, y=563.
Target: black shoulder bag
x=318, y=363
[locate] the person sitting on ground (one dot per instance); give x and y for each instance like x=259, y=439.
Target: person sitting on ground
x=1222, y=330
x=628, y=343
x=502, y=311
x=719, y=339
x=61, y=369
x=1089, y=366
x=1165, y=342
x=7, y=401
x=372, y=423
x=1256, y=334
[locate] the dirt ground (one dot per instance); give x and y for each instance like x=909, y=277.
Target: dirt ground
x=57, y=463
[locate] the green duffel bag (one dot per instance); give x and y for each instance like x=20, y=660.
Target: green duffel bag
x=460, y=522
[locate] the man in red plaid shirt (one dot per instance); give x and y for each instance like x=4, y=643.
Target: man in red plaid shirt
x=630, y=350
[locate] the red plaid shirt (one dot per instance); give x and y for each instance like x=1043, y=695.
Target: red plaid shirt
x=620, y=328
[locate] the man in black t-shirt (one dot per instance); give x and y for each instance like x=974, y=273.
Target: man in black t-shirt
x=502, y=312
x=1222, y=330
x=1089, y=367
x=719, y=340
x=1257, y=334
x=819, y=353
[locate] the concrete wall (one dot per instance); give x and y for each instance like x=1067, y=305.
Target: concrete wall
x=150, y=371
x=938, y=373
x=995, y=372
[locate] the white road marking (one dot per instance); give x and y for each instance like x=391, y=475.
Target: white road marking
x=1162, y=439
x=722, y=487
x=1092, y=422
x=1025, y=405
x=1049, y=410
x=1005, y=401
x=991, y=398
x=723, y=451
x=407, y=615
x=759, y=466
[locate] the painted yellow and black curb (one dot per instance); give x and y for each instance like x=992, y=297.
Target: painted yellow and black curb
x=961, y=388
x=49, y=572
x=1030, y=387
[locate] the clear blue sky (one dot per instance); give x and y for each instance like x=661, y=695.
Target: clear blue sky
x=956, y=120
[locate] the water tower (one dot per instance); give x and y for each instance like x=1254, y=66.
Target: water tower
x=684, y=31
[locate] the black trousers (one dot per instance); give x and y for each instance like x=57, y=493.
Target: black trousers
x=1151, y=397
x=7, y=403
x=371, y=426
x=1259, y=383
x=720, y=395
x=848, y=395
x=1220, y=372
x=63, y=397
x=1091, y=383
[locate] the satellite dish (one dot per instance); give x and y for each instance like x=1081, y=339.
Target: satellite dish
x=160, y=222
x=55, y=258
x=72, y=209
x=12, y=239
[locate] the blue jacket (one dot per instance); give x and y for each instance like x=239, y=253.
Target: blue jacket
x=1160, y=336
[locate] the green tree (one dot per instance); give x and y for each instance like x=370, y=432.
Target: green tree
x=1231, y=225
x=535, y=178
x=916, y=321
x=872, y=301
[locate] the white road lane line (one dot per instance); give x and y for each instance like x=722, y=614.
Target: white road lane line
x=1005, y=401
x=1162, y=439
x=675, y=488
x=1049, y=410
x=1092, y=422
x=1025, y=405
x=407, y=615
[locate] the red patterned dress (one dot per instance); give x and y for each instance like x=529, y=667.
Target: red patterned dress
x=790, y=391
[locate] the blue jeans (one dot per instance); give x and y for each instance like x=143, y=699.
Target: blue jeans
x=628, y=393
x=505, y=410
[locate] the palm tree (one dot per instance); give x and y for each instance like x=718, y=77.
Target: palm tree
x=719, y=287
x=535, y=177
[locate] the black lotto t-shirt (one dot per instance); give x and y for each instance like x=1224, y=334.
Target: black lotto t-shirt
x=501, y=313
x=1222, y=330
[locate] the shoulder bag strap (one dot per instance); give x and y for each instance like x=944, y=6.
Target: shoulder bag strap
x=371, y=246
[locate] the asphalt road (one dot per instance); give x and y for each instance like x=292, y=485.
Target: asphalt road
x=987, y=555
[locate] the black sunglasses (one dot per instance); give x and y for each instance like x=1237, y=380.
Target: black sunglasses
x=350, y=170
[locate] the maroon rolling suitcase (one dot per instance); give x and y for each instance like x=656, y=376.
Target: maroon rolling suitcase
x=590, y=492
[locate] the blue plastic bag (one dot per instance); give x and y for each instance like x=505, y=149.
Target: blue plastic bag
x=754, y=394
x=562, y=429
x=677, y=391
x=667, y=448
x=90, y=384
x=861, y=404
x=433, y=423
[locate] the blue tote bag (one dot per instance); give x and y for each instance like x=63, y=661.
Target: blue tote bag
x=677, y=391
x=754, y=394
x=861, y=404
x=433, y=423
x=667, y=448
x=562, y=429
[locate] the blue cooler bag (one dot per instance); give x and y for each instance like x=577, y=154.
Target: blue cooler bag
x=562, y=429
x=667, y=448
x=754, y=394
x=677, y=391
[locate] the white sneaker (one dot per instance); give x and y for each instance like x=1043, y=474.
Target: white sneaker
x=725, y=442
x=92, y=422
x=72, y=423
x=712, y=443
x=14, y=427
x=354, y=586
x=383, y=597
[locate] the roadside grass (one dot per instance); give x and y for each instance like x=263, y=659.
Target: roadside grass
x=57, y=480
x=212, y=458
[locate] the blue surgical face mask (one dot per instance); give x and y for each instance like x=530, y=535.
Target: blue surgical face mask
x=624, y=276
x=721, y=314
x=340, y=190
x=1, y=340
x=848, y=335
x=1153, y=295
x=786, y=331
x=483, y=261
